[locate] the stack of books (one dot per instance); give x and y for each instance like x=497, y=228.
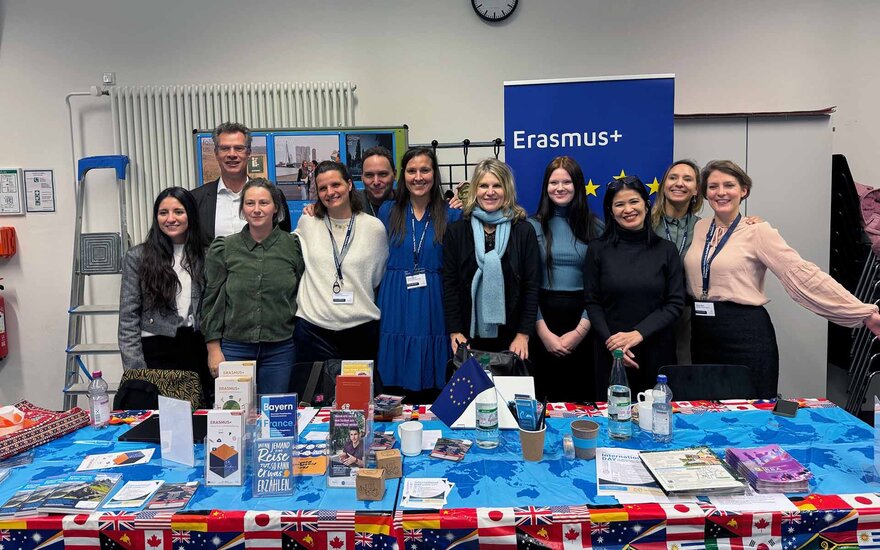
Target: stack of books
x=770, y=469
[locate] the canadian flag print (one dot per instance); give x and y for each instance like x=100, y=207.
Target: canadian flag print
x=155, y=540
x=337, y=540
x=573, y=536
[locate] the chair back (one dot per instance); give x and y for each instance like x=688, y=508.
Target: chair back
x=710, y=382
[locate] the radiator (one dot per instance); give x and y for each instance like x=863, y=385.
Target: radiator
x=153, y=126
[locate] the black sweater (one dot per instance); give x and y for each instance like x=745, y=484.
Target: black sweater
x=632, y=286
x=520, y=265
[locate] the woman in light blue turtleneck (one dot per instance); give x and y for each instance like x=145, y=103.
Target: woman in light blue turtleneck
x=564, y=224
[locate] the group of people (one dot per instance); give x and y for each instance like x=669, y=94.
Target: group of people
x=401, y=276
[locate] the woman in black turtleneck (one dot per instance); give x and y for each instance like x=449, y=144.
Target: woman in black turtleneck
x=634, y=287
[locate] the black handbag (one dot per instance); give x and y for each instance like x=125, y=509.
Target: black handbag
x=501, y=363
x=315, y=383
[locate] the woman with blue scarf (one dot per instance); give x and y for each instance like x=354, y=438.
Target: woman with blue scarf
x=491, y=267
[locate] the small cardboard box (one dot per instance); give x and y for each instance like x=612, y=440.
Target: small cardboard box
x=370, y=484
x=390, y=461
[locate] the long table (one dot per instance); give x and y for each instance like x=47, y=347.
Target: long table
x=498, y=500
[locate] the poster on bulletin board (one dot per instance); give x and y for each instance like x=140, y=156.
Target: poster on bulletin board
x=612, y=126
x=288, y=157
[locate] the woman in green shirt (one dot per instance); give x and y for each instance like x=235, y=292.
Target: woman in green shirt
x=250, y=297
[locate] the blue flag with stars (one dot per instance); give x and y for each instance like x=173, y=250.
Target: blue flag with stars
x=612, y=126
x=466, y=384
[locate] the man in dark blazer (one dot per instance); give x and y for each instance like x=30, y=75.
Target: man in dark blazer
x=219, y=201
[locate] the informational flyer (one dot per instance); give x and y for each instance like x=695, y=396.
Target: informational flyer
x=39, y=190
x=115, y=460
x=620, y=471
x=10, y=191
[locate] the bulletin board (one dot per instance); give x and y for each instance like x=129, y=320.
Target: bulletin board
x=279, y=155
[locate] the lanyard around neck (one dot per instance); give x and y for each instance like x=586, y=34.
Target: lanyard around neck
x=417, y=250
x=706, y=262
x=339, y=256
x=682, y=233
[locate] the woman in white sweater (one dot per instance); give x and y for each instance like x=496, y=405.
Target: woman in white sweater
x=345, y=251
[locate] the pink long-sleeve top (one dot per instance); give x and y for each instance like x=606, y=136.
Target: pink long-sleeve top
x=737, y=273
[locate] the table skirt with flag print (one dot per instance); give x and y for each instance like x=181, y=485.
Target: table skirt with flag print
x=534, y=511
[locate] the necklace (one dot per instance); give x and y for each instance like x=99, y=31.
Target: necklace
x=340, y=224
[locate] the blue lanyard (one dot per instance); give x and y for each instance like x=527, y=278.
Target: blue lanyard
x=706, y=262
x=684, y=235
x=339, y=256
x=417, y=251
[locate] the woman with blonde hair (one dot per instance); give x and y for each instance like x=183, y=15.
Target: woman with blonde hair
x=491, y=267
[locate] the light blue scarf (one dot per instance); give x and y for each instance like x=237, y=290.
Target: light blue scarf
x=488, y=299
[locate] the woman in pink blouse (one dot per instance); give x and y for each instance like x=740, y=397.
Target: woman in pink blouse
x=725, y=269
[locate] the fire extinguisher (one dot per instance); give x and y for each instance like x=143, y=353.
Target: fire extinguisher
x=4, y=343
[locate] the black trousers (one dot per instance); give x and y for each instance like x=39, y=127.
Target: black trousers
x=739, y=335
x=571, y=377
x=314, y=343
x=184, y=351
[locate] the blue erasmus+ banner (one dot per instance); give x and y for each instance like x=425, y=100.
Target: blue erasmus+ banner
x=613, y=127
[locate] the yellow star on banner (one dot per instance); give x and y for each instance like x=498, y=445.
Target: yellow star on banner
x=621, y=176
x=654, y=187
x=591, y=188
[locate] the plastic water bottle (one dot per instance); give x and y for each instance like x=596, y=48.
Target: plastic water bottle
x=661, y=411
x=619, y=400
x=487, y=412
x=99, y=401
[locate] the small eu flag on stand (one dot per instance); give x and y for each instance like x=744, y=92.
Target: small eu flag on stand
x=466, y=384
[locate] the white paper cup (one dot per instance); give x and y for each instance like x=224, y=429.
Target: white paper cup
x=410, y=434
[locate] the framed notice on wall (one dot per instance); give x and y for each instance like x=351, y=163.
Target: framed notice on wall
x=10, y=192
x=39, y=190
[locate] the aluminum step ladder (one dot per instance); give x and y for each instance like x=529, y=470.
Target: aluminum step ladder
x=93, y=254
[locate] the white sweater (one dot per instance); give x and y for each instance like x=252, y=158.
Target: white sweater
x=362, y=270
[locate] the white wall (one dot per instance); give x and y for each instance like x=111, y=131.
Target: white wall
x=432, y=65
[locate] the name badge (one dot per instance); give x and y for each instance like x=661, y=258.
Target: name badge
x=704, y=309
x=416, y=279
x=343, y=298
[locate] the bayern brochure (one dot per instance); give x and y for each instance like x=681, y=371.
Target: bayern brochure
x=691, y=472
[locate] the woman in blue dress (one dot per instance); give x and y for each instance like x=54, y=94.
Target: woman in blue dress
x=413, y=343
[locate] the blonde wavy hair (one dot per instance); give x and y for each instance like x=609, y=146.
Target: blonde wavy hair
x=502, y=172
x=659, y=208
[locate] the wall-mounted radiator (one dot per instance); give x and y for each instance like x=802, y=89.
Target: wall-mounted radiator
x=153, y=126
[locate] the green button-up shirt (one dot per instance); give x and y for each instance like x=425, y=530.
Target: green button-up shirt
x=250, y=291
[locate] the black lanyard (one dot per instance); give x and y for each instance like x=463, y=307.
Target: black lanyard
x=706, y=263
x=339, y=257
x=417, y=251
x=684, y=235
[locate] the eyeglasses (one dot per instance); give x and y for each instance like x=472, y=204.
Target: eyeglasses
x=236, y=148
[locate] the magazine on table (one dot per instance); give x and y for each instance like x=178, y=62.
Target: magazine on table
x=9, y=508
x=451, y=449
x=173, y=496
x=80, y=493
x=690, y=472
x=770, y=469
x=133, y=495
x=620, y=471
